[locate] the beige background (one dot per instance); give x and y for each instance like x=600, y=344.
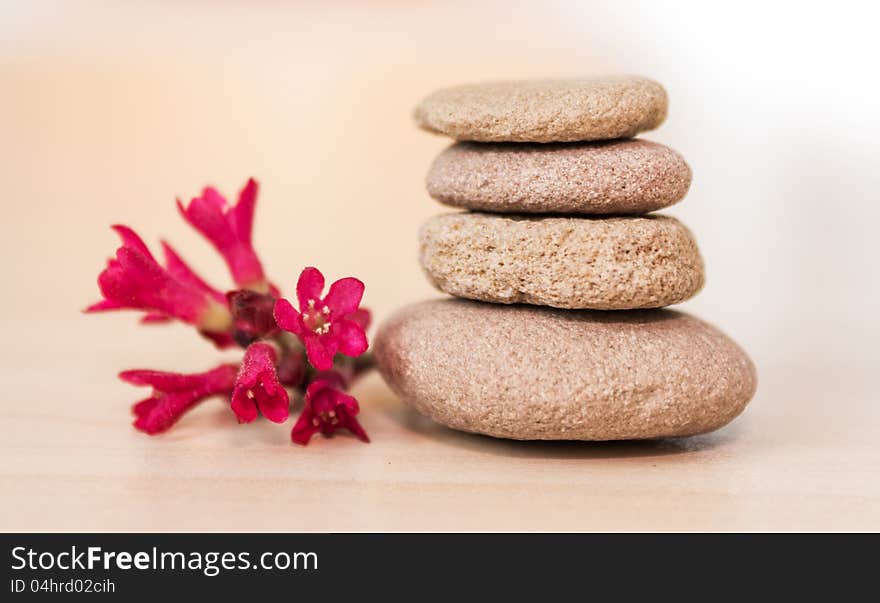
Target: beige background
x=108, y=111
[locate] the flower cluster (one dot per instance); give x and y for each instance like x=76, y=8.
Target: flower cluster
x=316, y=350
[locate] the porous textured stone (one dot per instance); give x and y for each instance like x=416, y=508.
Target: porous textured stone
x=621, y=176
x=560, y=110
x=612, y=263
x=530, y=373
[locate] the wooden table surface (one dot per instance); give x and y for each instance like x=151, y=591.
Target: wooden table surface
x=70, y=461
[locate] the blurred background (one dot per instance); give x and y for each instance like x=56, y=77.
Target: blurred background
x=111, y=110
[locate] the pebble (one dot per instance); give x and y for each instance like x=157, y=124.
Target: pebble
x=556, y=110
x=612, y=263
x=618, y=177
x=531, y=373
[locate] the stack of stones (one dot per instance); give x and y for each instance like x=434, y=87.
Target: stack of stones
x=560, y=273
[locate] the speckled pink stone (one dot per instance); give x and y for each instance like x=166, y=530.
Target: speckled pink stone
x=562, y=110
x=532, y=373
x=621, y=176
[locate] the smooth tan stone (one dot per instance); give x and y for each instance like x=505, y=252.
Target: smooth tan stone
x=560, y=110
x=532, y=373
x=621, y=176
x=618, y=263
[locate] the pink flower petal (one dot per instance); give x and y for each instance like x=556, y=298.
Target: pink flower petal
x=207, y=217
x=212, y=196
x=244, y=407
x=315, y=388
x=320, y=351
x=275, y=407
x=304, y=429
x=350, y=336
x=218, y=379
x=155, y=318
x=144, y=406
x=349, y=403
x=344, y=296
x=309, y=287
x=362, y=317
x=181, y=270
x=131, y=240
x=242, y=215
x=104, y=305
x=164, y=412
x=354, y=427
x=288, y=318
x=160, y=380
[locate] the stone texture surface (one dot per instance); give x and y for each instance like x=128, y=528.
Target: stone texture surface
x=564, y=110
x=532, y=373
x=615, y=263
x=621, y=176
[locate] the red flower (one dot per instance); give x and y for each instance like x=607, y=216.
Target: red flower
x=257, y=386
x=326, y=410
x=175, y=393
x=331, y=329
x=325, y=325
x=135, y=280
x=229, y=228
